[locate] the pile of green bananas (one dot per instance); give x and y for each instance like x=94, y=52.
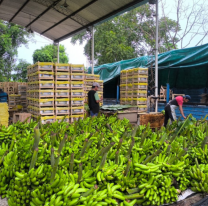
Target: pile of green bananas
x=101, y=161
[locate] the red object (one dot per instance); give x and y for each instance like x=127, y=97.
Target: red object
x=179, y=100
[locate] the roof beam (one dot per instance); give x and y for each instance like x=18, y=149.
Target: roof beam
x=45, y=11
x=26, y=2
x=69, y=16
x=132, y=4
x=1, y=1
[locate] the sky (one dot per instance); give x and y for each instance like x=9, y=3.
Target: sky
x=76, y=52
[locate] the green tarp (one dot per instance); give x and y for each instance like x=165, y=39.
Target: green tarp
x=183, y=68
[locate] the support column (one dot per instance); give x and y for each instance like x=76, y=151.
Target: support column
x=168, y=93
x=92, y=50
x=58, y=52
x=156, y=59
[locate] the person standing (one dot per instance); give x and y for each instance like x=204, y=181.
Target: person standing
x=172, y=105
x=94, y=100
x=3, y=96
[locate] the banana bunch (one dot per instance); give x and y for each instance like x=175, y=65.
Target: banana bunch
x=198, y=180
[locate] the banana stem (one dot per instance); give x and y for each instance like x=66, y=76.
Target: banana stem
x=150, y=158
x=134, y=131
x=80, y=173
x=102, y=163
x=130, y=148
x=117, y=158
x=100, y=141
x=84, y=148
x=106, y=149
x=89, y=144
x=119, y=144
x=54, y=169
x=71, y=167
x=37, y=138
x=142, y=139
x=63, y=141
x=34, y=158
x=52, y=157
x=97, y=156
x=127, y=167
x=109, y=127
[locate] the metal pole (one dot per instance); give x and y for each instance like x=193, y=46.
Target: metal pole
x=156, y=59
x=58, y=53
x=168, y=93
x=117, y=94
x=92, y=49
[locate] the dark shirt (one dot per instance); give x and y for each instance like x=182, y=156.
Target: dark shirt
x=93, y=105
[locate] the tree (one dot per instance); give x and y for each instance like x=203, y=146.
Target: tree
x=49, y=54
x=192, y=14
x=20, y=71
x=129, y=35
x=12, y=36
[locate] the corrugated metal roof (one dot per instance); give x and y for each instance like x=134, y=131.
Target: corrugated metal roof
x=51, y=19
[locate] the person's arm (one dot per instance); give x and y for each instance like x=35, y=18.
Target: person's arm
x=181, y=111
x=97, y=99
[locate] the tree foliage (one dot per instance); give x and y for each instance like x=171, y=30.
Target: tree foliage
x=128, y=36
x=49, y=54
x=20, y=71
x=12, y=36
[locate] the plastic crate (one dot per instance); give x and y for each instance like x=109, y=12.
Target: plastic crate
x=96, y=77
x=62, y=110
x=123, y=87
x=130, y=72
x=77, y=110
x=62, y=102
x=62, y=84
x=43, y=84
x=43, y=102
x=140, y=93
x=129, y=87
x=89, y=76
x=62, y=67
x=140, y=78
x=77, y=101
x=42, y=75
x=129, y=94
x=137, y=101
x=77, y=76
x=123, y=73
x=142, y=108
x=43, y=110
x=89, y=82
x=77, y=68
x=140, y=86
x=43, y=93
x=123, y=80
x=62, y=93
x=140, y=71
x=77, y=93
x=77, y=84
x=123, y=94
x=42, y=66
x=62, y=75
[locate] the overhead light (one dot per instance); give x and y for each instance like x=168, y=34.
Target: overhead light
x=65, y=5
x=30, y=31
x=152, y=1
